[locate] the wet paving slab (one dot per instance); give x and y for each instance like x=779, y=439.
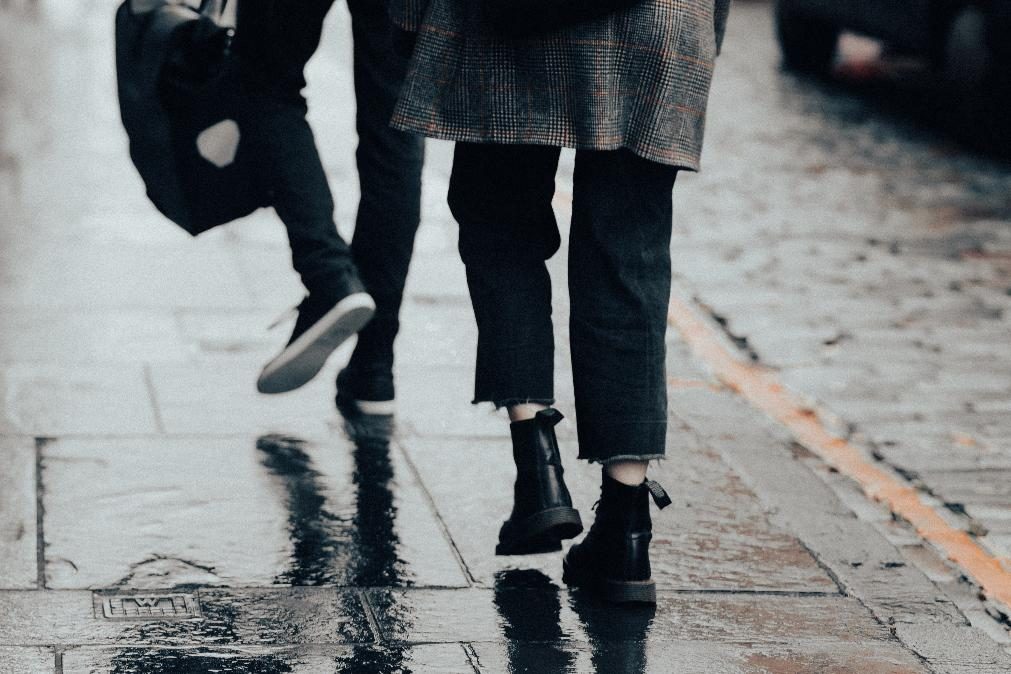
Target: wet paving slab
x=716, y=536
x=437, y=333
x=26, y=660
x=74, y=335
x=438, y=276
x=156, y=513
x=215, y=396
x=693, y=657
x=267, y=275
x=239, y=333
x=527, y=614
x=18, y=514
x=102, y=276
x=48, y=399
x=254, y=617
x=435, y=402
x=428, y=658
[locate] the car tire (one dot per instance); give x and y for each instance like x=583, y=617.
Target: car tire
x=976, y=78
x=808, y=44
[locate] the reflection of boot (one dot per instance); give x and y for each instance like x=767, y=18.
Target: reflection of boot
x=618, y=638
x=613, y=559
x=530, y=609
x=542, y=513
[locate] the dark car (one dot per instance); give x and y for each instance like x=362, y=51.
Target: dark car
x=966, y=42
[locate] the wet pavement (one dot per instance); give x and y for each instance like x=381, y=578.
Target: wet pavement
x=157, y=515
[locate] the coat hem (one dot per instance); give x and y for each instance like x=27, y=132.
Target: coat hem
x=675, y=159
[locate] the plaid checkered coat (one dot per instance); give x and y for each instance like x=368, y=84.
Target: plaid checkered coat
x=638, y=79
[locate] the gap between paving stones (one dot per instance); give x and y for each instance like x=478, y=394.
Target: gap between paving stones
x=761, y=388
x=436, y=514
x=40, y=515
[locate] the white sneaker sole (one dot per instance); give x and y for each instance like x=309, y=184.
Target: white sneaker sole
x=375, y=408
x=305, y=357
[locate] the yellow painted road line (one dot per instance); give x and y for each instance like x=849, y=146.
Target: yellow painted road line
x=763, y=390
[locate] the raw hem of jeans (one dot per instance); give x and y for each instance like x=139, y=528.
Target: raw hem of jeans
x=510, y=402
x=623, y=457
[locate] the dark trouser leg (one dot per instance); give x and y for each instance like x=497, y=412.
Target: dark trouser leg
x=274, y=44
x=619, y=285
x=389, y=172
x=293, y=176
x=501, y=197
x=275, y=39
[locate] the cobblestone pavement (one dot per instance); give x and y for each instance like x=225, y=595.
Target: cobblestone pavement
x=157, y=515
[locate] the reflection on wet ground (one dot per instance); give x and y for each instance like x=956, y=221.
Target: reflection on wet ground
x=524, y=621
x=194, y=662
x=360, y=548
x=616, y=638
x=364, y=547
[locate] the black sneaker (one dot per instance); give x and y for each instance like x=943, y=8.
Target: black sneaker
x=323, y=325
x=367, y=403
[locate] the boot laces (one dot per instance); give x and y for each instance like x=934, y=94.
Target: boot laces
x=659, y=494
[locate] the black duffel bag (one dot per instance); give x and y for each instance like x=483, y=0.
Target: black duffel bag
x=521, y=18
x=182, y=107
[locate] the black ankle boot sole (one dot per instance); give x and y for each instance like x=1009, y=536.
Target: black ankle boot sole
x=541, y=532
x=612, y=591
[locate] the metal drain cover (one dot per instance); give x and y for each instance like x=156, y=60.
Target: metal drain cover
x=147, y=606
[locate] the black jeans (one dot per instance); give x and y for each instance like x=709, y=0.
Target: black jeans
x=275, y=42
x=619, y=286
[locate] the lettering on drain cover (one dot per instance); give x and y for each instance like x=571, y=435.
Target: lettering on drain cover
x=149, y=606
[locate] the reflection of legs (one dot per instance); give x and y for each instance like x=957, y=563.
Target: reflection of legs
x=617, y=639
x=314, y=529
x=375, y=536
x=389, y=172
x=501, y=196
x=619, y=284
x=530, y=610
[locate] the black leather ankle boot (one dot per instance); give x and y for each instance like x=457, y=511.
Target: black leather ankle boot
x=542, y=513
x=613, y=559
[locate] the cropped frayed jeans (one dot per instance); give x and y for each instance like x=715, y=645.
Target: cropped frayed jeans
x=619, y=287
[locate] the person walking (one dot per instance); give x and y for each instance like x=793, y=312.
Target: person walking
x=348, y=286
x=628, y=90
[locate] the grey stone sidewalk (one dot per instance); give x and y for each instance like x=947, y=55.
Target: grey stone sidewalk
x=157, y=515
